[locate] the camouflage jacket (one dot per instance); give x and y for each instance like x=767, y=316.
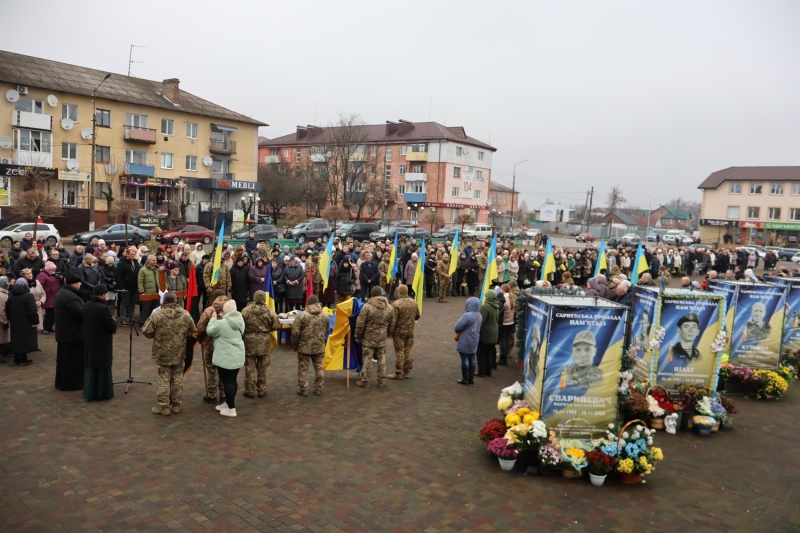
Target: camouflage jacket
x=314, y=264
x=442, y=269
x=224, y=281
x=383, y=270
x=375, y=322
x=483, y=260
x=259, y=321
x=205, y=340
x=309, y=330
x=169, y=328
x=406, y=313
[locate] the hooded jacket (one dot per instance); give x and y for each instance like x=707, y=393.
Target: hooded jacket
x=227, y=333
x=309, y=330
x=169, y=328
x=255, y=274
x=469, y=327
x=259, y=321
x=490, y=312
x=375, y=322
x=203, y=338
x=346, y=279
x=22, y=314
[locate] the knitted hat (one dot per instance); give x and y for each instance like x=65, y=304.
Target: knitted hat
x=50, y=266
x=100, y=290
x=376, y=291
x=313, y=300
x=260, y=297
x=21, y=281
x=72, y=277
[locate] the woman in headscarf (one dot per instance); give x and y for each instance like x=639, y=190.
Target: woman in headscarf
x=257, y=275
x=4, y=331
x=51, y=285
x=461, y=275
x=23, y=316
x=345, y=281
x=69, y=335
x=38, y=295
x=472, y=273
x=240, y=283
x=293, y=274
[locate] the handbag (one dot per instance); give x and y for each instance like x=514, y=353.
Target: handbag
x=468, y=327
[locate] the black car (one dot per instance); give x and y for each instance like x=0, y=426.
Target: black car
x=403, y=233
x=110, y=233
x=359, y=231
x=264, y=232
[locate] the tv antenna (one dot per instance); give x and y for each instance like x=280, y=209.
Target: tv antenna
x=130, y=57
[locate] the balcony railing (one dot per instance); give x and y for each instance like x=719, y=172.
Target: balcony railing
x=222, y=147
x=269, y=159
x=416, y=176
x=223, y=175
x=416, y=156
x=36, y=121
x=140, y=170
x=135, y=134
x=414, y=197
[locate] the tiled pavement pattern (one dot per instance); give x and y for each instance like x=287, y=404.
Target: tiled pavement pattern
x=403, y=458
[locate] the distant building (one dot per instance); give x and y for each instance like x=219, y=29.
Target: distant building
x=504, y=200
x=620, y=219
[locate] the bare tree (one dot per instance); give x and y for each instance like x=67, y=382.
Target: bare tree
x=279, y=186
x=615, y=198
x=32, y=202
x=295, y=215
x=336, y=213
x=464, y=220
x=122, y=209
x=111, y=190
x=433, y=219
x=315, y=189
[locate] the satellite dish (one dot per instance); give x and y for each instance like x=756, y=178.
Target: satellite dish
x=72, y=164
x=52, y=100
x=12, y=95
x=111, y=168
x=207, y=161
x=86, y=133
x=67, y=123
x=5, y=143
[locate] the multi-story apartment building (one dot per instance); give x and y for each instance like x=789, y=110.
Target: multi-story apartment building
x=154, y=141
x=751, y=205
x=503, y=202
x=420, y=165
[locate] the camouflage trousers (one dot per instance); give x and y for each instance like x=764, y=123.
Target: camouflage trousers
x=318, y=289
x=255, y=374
x=371, y=353
x=444, y=284
x=303, y=361
x=170, y=385
x=402, y=352
x=214, y=388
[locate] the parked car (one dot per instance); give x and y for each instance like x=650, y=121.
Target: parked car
x=784, y=254
x=402, y=224
x=359, y=231
x=478, y=231
x=264, y=219
x=584, y=237
x=16, y=232
x=631, y=237
x=651, y=237
x=309, y=231
x=514, y=234
x=532, y=233
x=447, y=233
x=404, y=233
x=189, y=233
x=110, y=233
x=796, y=258
x=263, y=232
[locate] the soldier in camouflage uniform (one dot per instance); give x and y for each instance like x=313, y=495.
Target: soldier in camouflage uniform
x=374, y=325
x=223, y=282
x=483, y=260
x=383, y=270
x=406, y=313
x=259, y=321
x=169, y=328
x=443, y=273
x=308, y=335
x=317, y=280
x=214, y=388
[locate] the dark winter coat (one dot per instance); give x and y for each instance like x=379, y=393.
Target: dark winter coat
x=23, y=262
x=98, y=332
x=108, y=277
x=250, y=245
x=369, y=275
x=198, y=274
x=240, y=283
x=255, y=276
x=294, y=273
x=90, y=277
x=128, y=274
x=69, y=315
x=328, y=296
x=345, y=279
x=22, y=314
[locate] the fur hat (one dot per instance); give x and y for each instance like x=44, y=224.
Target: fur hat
x=72, y=277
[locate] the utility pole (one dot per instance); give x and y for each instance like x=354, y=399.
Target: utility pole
x=513, y=188
x=585, y=221
x=589, y=212
x=94, y=156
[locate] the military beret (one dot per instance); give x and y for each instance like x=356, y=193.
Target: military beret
x=691, y=317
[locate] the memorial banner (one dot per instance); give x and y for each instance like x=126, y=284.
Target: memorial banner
x=728, y=290
x=691, y=323
x=757, y=326
x=790, y=343
x=643, y=308
x=536, y=321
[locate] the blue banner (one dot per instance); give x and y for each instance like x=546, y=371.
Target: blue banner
x=790, y=343
x=643, y=308
x=758, y=326
x=728, y=290
x=536, y=321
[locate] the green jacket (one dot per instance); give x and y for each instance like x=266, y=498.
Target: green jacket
x=169, y=328
x=490, y=314
x=148, y=280
x=228, y=343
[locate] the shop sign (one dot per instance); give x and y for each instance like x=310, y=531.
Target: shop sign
x=240, y=185
x=748, y=224
x=22, y=170
x=452, y=206
x=719, y=223
x=782, y=225
x=149, y=221
x=145, y=181
x=74, y=175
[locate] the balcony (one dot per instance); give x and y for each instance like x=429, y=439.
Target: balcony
x=270, y=159
x=222, y=147
x=223, y=175
x=135, y=134
x=140, y=170
x=416, y=176
x=416, y=156
x=414, y=197
x=30, y=158
x=34, y=121
x=358, y=156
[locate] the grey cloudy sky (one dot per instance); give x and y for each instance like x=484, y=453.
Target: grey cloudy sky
x=652, y=96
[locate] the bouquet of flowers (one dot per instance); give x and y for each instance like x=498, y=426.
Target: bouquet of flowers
x=786, y=372
x=507, y=397
x=502, y=449
x=725, y=370
x=768, y=384
x=495, y=428
x=742, y=374
x=720, y=342
x=633, y=450
x=711, y=407
x=522, y=415
x=549, y=455
x=527, y=437
x=688, y=396
x=600, y=463
x=573, y=452
x=664, y=401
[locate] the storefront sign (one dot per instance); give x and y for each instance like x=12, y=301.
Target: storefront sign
x=233, y=184
x=149, y=221
x=73, y=175
x=719, y=223
x=145, y=181
x=22, y=170
x=782, y=225
x=452, y=206
x=750, y=224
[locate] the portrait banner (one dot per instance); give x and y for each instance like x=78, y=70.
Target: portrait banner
x=643, y=308
x=728, y=291
x=758, y=326
x=691, y=324
x=537, y=320
x=790, y=342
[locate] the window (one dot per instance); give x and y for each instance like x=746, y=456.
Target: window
x=477, y=195
x=102, y=154
x=418, y=147
x=191, y=130
x=69, y=111
x=373, y=169
x=275, y=151
x=33, y=141
x=755, y=188
x=776, y=188
x=166, y=160
x=69, y=151
x=456, y=172
x=417, y=169
x=479, y=175
x=191, y=163
x=453, y=215
x=455, y=192
x=774, y=213
x=373, y=150
x=388, y=153
x=286, y=153
x=297, y=155
x=459, y=150
x=30, y=105
x=136, y=157
x=370, y=209
x=480, y=156
x=416, y=186
x=794, y=214
x=136, y=121
x=400, y=213
x=401, y=189
x=753, y=212
x=167, y=126
x=402, y=170
x=387, y=172
x=403, y=149
x=103, y=117
x=736, y=188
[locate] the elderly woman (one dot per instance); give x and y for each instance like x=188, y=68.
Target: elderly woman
x=50, y=283
x=293, y=277
x=39, y=295
x=4, y=332
x=22, y=314
x=227, y=331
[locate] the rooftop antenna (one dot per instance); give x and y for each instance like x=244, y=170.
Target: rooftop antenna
x=130, y=57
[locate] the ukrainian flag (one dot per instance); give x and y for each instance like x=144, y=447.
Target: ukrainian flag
x=549, y=265
x=342, y=352
x=218, y=254
x=419, y=278
x=454, y=255
x=491, y=268
x=391, y=273
x=602, y=261
x=325, y=263
x=639, y=265
x=269, y=289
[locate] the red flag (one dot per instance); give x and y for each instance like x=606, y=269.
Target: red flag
x=310, y=288
x=191, y=291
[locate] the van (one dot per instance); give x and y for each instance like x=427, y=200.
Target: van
x=478, y=231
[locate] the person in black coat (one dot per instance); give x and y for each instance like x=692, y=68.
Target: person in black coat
x=98, y=333
x=127, y=273
x=23, y=317
x=368, y=275
x=31, y=260
x=69, y=335
x=14, y=252
x=240, y=283
x=346, y=278
x=200, y=301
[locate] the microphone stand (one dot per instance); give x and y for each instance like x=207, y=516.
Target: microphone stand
x=133, y=329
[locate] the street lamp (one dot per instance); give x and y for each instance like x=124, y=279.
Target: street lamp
x=513, y=187
x=649, y=205
x=94, y=156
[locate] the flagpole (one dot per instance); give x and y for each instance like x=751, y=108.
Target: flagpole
x=347, y=351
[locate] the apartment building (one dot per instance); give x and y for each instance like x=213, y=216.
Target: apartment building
x=751, y=205
x=153, y=141
x=503, y=201
x=421, y=166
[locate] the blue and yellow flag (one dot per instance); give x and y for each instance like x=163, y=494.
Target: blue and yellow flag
x=491, y=268
x=269, y=289
x=342, y=352
x=218, y=254
x=454, y=255
x=392, y=272
x=419, y=278
x=602, y=260
x=549, y=265
x=325, y=264
x=639, y=265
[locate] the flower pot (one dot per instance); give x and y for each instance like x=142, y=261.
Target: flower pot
x=524, y=460
x=721, y=385
x=716, y=427
x=570, y=472
x=657, y=423
x=597, y=480
x=628, y=479
x=544, y=470
x=507, y=465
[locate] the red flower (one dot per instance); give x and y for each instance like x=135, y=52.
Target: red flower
x=492, y=429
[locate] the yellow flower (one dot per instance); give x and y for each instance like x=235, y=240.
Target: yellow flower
x=511, y=437
x=536, y=415
x=528, y=419
x=658, y=455
x=522, y=411
x=512, y=420
x=625, y=466
x=575, y=452
x=504, y=403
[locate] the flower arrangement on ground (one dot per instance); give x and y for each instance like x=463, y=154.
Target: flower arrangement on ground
x=600, y=463
x=768, y=385
x=527, y=437
x=549, y=455
x=573, y=452
x=636, y=407
x=494, y=428
x=741, y=374
x=786, y=372
x=725, y=369
x=688, y=396
x=633, y=449
x=502, y=449
x=711, y=407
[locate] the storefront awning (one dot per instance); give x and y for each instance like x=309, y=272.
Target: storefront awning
x=220, y=127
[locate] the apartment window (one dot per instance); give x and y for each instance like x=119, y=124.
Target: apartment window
x=30, y=105
x=286, y=153
x=69, y=111
x=733, y=212
x=167, y=126
x=103, y=117
x=456, y=172
x=136, y=157
x=136, y=121
x=402, y=170
x=416, y=186
x=373, y=150
x=191, y=130
x=373, y=169
x=455, y=192
x=370, y=209
x=275, y=151
x=387, y=172
x=736, y=188
x=297, y=155
x=774, y=213
x=417, y=169
x=794, y=214
x=479, y=175
x=419, y=147
x=776, y=188
x=191, y=163
x=166, y=160
x=33, y=141
x=480, y=156
x=403, y=149
x=755, y=188
x=102, y=154
x=69, y=151
x=459, y=150
x=388, y=153
x=477, y=195
x=453, y=215
x=401, y=189
x=753, y=212
x=400, y=213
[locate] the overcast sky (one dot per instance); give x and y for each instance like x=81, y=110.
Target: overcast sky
x=652, y=96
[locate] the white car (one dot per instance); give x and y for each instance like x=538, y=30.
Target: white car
x=478, y=231
x=796, y=258
x=532, y=233
x=16, y=232
x=631, y=237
